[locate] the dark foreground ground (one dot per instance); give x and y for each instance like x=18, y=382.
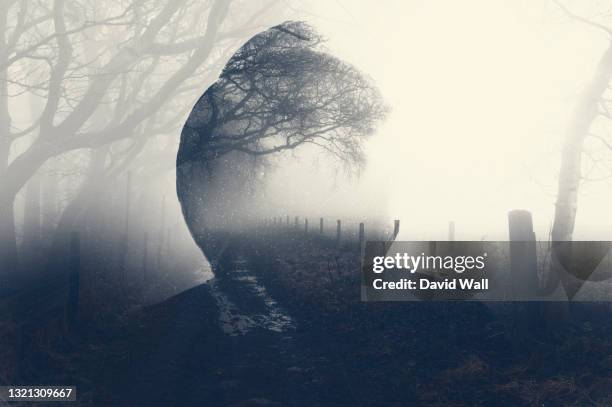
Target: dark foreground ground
x=282, y=325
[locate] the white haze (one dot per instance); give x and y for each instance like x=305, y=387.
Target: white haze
x=480, y=92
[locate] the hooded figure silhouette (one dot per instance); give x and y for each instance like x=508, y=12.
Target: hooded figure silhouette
x=280, y=90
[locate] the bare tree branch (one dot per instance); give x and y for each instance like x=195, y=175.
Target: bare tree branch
x=60, y=68
x=581, y=19
x=602, y=140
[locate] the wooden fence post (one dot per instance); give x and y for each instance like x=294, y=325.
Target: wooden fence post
x=451, y=231
x=523, y=273
x=124, y=241
x=523, y=256
x=321, y=226
x=396, y=228
x=128, y=199
x=306, y=225
x=123, y=245
x=338, y=231
x=296, y=222
x=72, y=303
x=145, y=255
x=361, y=238
x=161, y=232
x=169, y=240
x=287, y=220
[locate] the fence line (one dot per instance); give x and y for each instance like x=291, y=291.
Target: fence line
x=345, y=232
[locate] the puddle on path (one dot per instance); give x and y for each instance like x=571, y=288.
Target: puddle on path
x=234, y=321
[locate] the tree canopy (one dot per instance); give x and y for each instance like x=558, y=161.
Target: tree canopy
x=281, y=90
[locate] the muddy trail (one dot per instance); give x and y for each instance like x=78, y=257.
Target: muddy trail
x=225, y=343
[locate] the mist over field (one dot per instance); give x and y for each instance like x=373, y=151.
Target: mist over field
x=192, y=194
x=481, y=94
x=475, y=127
x=476, y=123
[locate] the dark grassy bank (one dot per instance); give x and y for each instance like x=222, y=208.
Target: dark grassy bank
x=444, y=353
x=338, y=351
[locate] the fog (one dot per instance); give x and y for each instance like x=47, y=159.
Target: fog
x=480, y=94
x=146, y=146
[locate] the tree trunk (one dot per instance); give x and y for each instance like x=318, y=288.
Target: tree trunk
x=31, y=215
x=69, y=222
x=93, y=184
x=49, y=206
x=8, y=244
x=571, y=159
x=9, y=187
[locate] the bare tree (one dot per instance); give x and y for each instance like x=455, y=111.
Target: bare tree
x=281, y=90
x=591, y=105
x=103, y=70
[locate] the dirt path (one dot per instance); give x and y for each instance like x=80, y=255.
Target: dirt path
x=269, y=331
x=225, y=343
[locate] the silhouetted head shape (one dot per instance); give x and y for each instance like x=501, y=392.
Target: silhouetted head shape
x=279, y=91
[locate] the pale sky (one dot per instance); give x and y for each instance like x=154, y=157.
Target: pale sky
x=480, y=92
